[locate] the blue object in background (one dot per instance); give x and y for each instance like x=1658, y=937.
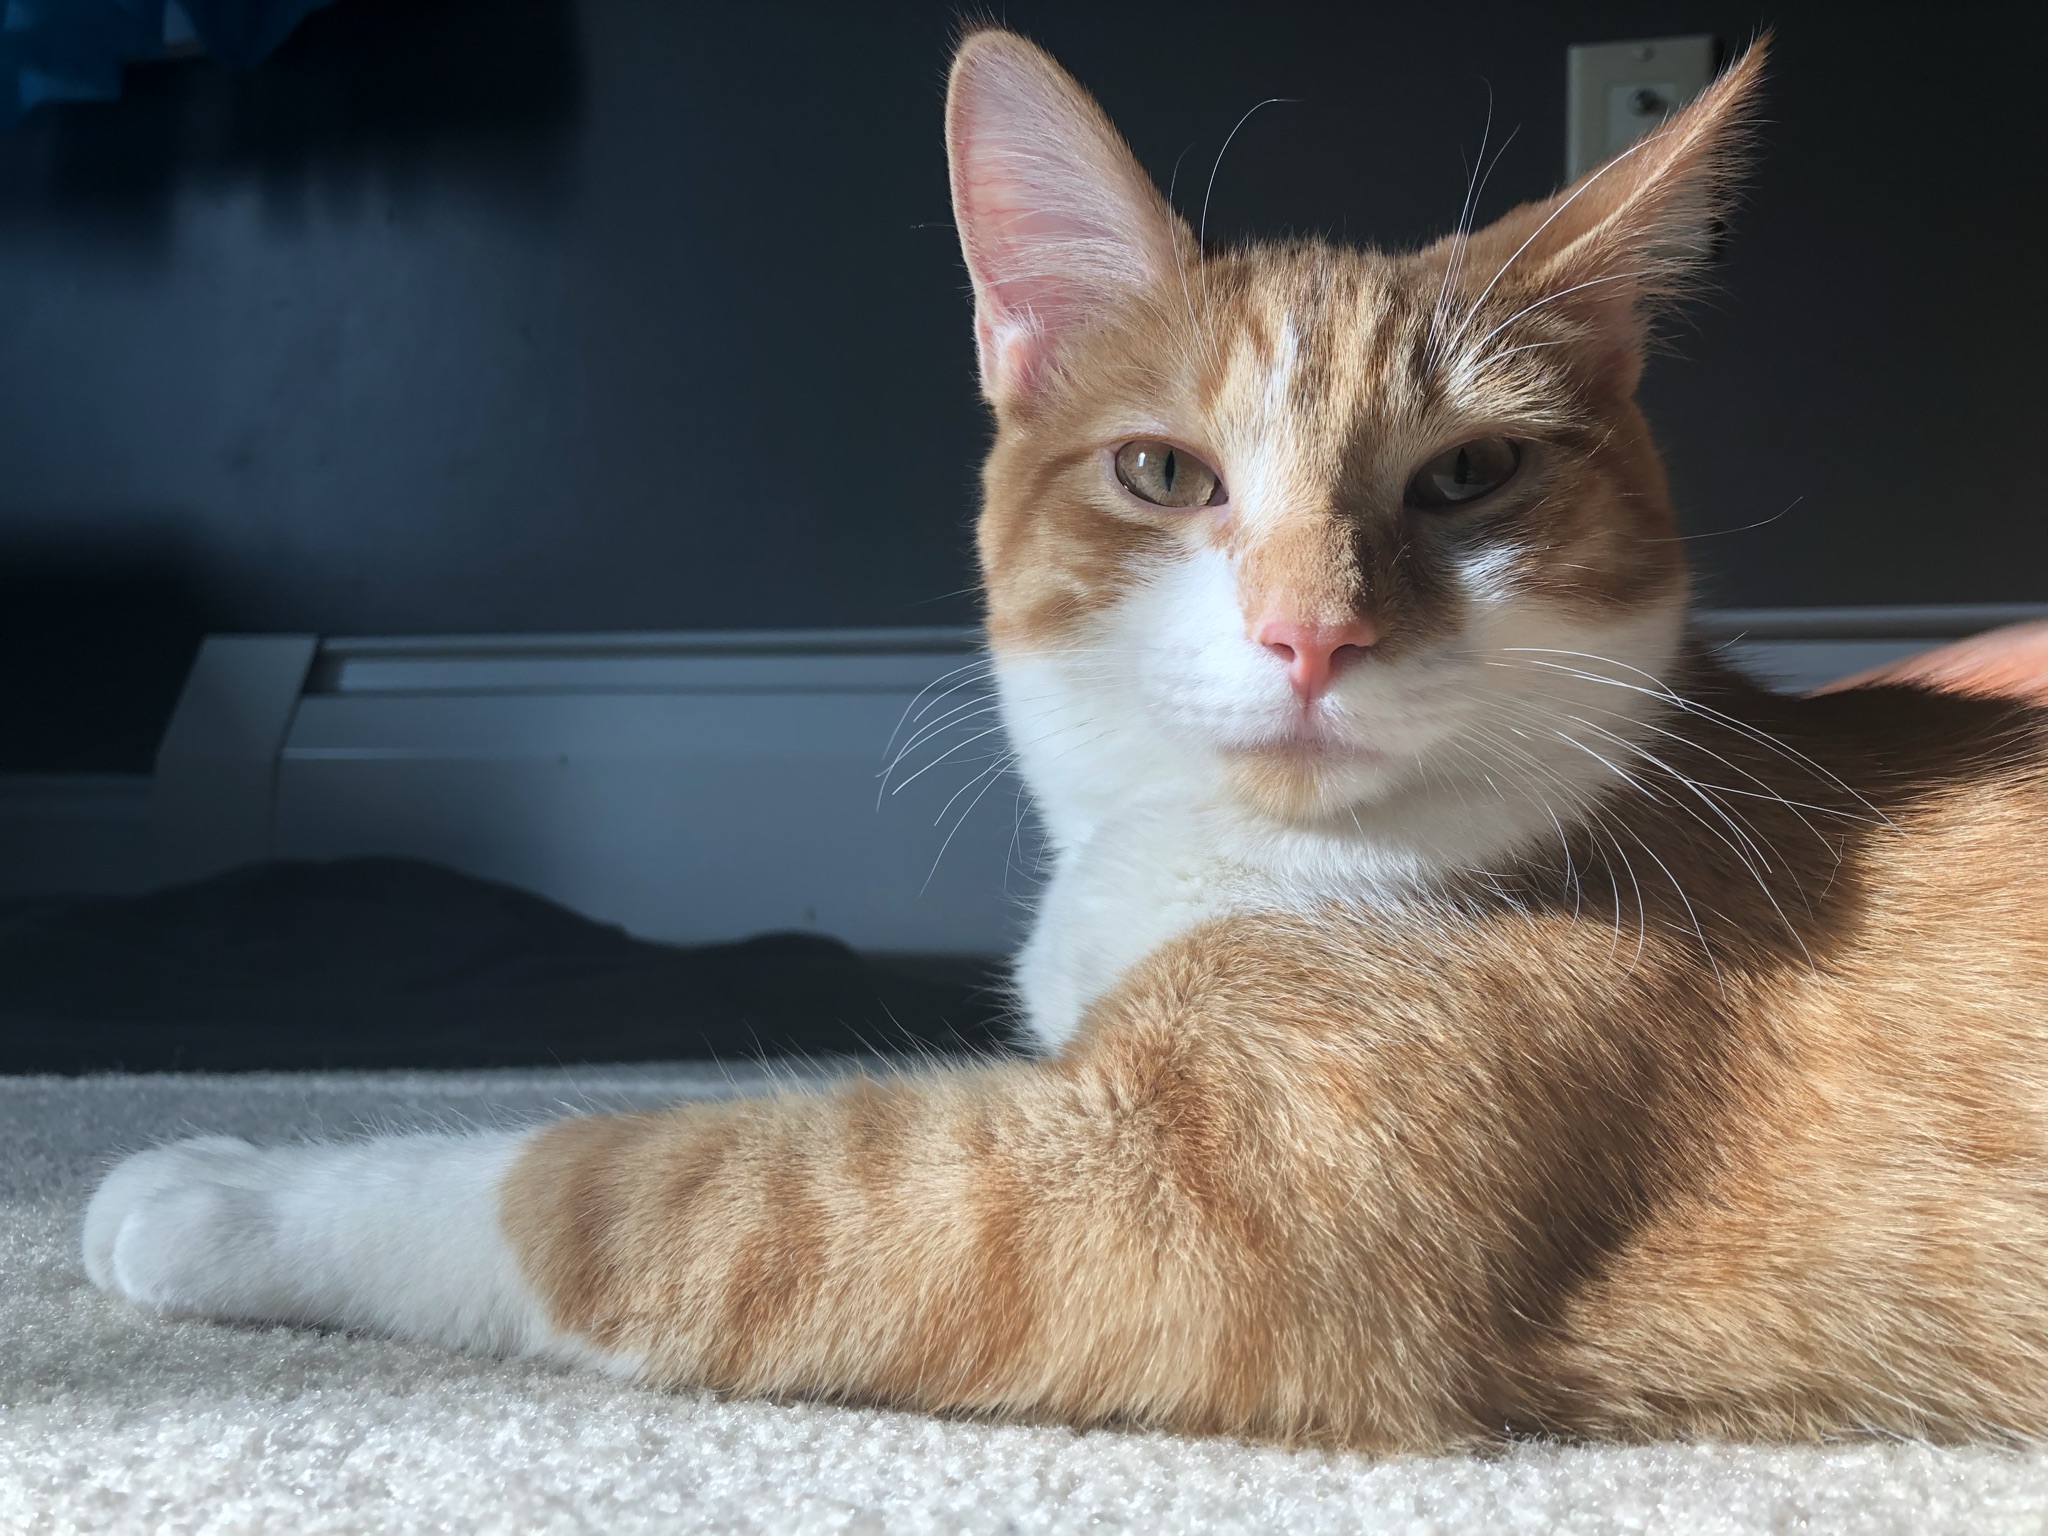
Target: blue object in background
x=242, y=33
x=75, y=50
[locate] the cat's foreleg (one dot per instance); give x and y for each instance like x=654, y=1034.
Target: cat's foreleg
x=1080, y=1240
x=1060, y=1239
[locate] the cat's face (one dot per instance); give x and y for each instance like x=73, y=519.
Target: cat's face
x=1304, y=527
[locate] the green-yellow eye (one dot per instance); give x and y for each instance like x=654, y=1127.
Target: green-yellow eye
x=1167, y=476
x=1465, y=473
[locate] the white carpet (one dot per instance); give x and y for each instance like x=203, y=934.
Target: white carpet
x=114, y=1421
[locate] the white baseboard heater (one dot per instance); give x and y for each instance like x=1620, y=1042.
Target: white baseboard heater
x=690, y=787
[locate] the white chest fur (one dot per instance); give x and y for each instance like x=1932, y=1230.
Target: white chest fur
x=1110, y=902
x=1152, y=872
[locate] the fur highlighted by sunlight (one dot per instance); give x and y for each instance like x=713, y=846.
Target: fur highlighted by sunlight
x=1467, y=1007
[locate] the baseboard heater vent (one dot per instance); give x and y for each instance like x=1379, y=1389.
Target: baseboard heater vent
x=690, y=787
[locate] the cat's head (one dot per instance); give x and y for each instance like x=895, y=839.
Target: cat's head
x=1304, y=528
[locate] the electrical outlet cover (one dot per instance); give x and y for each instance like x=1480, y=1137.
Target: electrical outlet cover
x=1617, y=92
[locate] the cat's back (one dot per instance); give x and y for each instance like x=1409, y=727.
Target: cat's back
x=1943, y=891
x=1862, y=1238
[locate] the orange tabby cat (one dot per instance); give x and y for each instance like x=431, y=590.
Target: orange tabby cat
x=1467, y=1005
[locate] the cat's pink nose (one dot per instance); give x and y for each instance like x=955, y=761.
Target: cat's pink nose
x=1316, y=653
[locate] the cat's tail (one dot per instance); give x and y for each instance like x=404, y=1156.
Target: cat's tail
x=2006, y=663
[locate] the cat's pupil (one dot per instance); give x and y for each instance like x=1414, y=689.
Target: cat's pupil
x=1155, y=472
x=1464, y=473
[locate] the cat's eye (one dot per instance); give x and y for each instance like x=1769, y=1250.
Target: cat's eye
x=1167, y=476
x=1464, y=473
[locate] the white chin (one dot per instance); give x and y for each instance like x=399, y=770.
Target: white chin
x=1299, y=782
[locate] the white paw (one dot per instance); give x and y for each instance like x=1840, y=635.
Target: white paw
x=396, y=1234
x=184, y=1228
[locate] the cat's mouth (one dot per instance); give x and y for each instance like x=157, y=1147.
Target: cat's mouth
x=1307, y=746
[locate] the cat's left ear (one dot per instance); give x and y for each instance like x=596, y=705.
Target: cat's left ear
x=1623, y=238
x=1060, y=225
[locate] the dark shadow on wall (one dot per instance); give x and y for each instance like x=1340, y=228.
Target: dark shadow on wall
x=96, y=636
x=527, y=315
x=366, y=95
x=369, y=102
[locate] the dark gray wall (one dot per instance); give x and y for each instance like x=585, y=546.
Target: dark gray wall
x=601, y=314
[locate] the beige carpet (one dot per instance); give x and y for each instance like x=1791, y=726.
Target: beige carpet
x=114, y=1421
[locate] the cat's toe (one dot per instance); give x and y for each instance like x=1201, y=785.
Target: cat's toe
x=146, y=1204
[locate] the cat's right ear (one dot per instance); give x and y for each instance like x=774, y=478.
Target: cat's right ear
x=1059, y=223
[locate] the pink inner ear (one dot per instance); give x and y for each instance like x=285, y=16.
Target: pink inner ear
x=1058, y=223
x=1015, y=232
